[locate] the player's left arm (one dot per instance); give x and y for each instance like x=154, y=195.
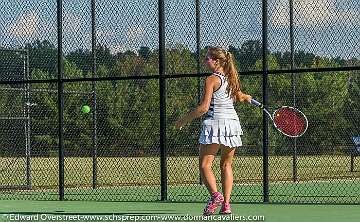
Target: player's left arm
x=204, y=105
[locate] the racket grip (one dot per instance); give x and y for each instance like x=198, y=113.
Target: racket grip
x=256, y=103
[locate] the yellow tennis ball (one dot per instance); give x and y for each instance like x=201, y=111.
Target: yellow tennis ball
x=85, y=109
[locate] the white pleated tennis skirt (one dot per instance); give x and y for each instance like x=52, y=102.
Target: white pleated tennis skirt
x=221, y=131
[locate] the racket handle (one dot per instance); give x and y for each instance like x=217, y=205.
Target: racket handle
x=256, y=103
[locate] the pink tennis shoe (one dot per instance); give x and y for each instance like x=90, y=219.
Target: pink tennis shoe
x=225, y=208
x=215, y=200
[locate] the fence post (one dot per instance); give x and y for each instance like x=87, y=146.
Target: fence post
x=198, y=57
x=162, y=86
x=265, y=102
x=292, y=66
x=60, y=99
x=93, y=92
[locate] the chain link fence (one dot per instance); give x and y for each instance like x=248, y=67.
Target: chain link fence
x=138, y=65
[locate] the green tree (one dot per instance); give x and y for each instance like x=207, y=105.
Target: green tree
x=82, y=59
x=43, y=56
x=322, y=97
x=180, y=60
x=77, y=133
x=249, y=52
x=302, y=59
x=144, y=52
x=351, y=106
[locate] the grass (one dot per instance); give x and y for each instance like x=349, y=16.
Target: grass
x=181, y=170
x=139, y=178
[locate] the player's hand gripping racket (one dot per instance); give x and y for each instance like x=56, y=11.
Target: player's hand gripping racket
x=288, y=120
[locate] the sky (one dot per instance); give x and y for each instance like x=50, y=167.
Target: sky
x=324, y=27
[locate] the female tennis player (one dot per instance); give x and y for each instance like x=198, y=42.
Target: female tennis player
x=221, y=127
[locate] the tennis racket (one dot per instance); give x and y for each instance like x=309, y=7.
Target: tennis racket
x=288, y=120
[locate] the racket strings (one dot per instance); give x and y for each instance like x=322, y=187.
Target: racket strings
x=290, y=121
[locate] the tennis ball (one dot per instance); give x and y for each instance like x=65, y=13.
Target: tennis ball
x=85, y=109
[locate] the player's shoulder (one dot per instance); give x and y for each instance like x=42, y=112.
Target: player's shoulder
x=212, y=78
x=212, y=81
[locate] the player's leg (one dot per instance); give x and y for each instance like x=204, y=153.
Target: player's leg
x=207, y=156
x=227, y=155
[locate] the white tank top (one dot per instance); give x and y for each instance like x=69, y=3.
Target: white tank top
x=221, y=105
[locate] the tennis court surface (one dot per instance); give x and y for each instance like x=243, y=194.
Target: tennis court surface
x=18, y=210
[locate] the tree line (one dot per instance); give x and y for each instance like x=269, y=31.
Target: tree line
x=128, y=110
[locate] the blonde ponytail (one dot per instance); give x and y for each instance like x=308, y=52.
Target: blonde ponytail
x=232, y=77
x=226, y=61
